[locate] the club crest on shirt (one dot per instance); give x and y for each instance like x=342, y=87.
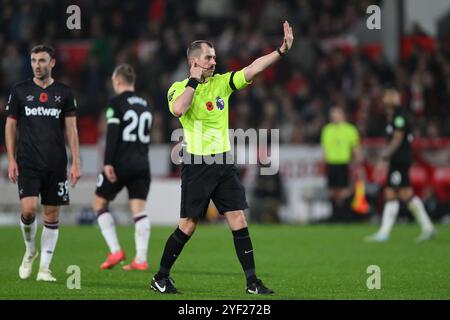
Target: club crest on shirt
x=209, y=106
x=220, y=103
x=43, y=97
x=57, y=99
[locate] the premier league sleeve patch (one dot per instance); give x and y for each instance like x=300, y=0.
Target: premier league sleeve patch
x=220, y=103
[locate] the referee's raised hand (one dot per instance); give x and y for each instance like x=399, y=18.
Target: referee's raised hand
x=288, y=38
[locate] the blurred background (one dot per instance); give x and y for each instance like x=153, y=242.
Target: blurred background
x=335, y=60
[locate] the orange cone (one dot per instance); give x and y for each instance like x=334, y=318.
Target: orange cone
x=360, y=204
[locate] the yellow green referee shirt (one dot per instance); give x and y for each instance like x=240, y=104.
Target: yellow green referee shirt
x=205, y=124
x=338, y=142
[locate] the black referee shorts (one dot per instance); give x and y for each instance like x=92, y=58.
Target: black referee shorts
x=203, y=182
x=398, y=175
x=52, y=186
x=337, y=175
x=137, y=183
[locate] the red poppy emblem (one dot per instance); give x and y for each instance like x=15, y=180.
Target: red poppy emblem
x=209, y=106
x=43, y=97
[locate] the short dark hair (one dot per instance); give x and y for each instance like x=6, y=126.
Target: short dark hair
x=197, y=45
x=126, y=72
x=337, y=107
x=390, y=87
x=44, y=48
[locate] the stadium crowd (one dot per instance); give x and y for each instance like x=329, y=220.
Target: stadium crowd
x=294, y=96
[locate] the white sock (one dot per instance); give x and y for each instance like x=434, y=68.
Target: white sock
x=390, y=212
x=48, y=243
x=418, y=210
x=141, y=236
x=108, y=228
x=29, y=227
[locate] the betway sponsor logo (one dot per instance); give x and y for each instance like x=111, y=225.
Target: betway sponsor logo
x=41, y=111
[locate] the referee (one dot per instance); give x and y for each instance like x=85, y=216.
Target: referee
x=201, y=104
x=340, y=142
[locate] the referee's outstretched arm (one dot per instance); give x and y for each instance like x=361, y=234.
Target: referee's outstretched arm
x=262, y=63
x=198, y=72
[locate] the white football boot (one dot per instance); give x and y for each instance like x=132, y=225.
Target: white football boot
x=426, y=235
x=377, y=237
x=26, y=268
x=45, y=275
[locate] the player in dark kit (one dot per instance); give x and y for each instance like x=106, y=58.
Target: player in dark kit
x=398, y=156
x=126, y=164
x=43, y=110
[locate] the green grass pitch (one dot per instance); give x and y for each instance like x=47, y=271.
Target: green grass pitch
x=298, y=262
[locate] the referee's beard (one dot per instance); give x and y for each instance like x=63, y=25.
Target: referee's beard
x=208, y=74
x=210, y=71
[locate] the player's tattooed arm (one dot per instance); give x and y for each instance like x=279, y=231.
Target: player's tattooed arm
x=72, y=139
x=393, y=145
x=262, y=63
x=10, y=137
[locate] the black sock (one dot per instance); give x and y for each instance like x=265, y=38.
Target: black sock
x=244, y=251
x=172, y=250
